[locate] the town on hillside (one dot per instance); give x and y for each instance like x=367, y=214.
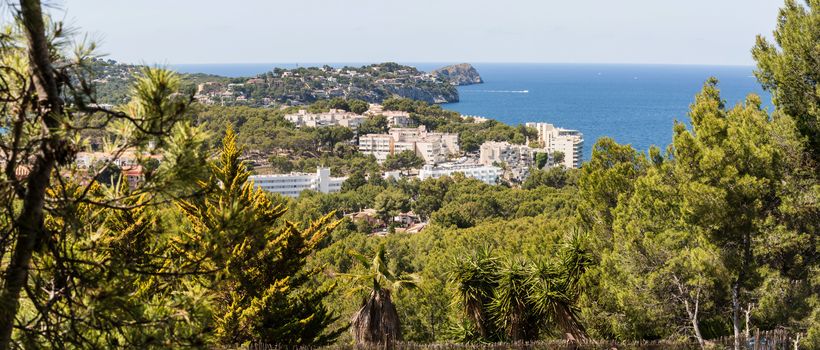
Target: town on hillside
x=415, y=152
x=438, y=153
x=304, y=85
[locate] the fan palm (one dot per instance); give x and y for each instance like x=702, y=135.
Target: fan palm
x=377, y=321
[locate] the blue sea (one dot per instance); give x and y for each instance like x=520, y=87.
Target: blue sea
x=633, y=104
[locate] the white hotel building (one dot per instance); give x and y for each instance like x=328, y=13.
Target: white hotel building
x=338, y=117
x=291, y=185
x=434, y=147
x=487, y=173
x=568, y=142
x=518, y=158
x=333, y=117
x=395, y=119
x=507, y=153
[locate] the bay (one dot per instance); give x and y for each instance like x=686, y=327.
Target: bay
x=633, y=104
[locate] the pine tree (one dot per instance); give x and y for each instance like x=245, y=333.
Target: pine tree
x=257, y=260
x=788, y=68
x=708, y=225
x=58, y=253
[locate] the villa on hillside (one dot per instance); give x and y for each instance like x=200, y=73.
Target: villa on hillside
x=338, y=117
x=334, y=117
x=395, y=119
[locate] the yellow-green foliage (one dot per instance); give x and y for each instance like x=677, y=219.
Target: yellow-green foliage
x=255, y=259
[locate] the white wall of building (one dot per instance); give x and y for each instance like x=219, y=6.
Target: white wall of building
x=433, y=147
x=333, y=117
x=517, y=158
x=293, y=184
x=505, y=152
x=487, y=173
x=569, y=142
x=302, y=118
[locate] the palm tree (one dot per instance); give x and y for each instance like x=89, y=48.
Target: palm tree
x=515, y=300
x=511, y=306
x=475, y=278
x=555, y=288
x=377, y=321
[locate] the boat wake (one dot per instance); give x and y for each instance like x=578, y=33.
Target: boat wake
x=503, y=91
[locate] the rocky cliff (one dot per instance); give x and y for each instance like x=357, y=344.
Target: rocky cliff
x=458, y=74
x=426, y=94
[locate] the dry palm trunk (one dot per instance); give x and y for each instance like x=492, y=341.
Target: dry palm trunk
x=476, y=311
x=376, y=322
x=573, y=330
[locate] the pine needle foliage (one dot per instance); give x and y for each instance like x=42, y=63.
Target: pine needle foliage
x=255, y=260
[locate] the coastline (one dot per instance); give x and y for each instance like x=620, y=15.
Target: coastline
x=635, y=104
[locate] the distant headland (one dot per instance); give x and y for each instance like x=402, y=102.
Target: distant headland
x=458, y=74
x=303, y=85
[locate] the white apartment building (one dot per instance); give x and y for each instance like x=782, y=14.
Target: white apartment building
x=395, y=119
x=336, y=117
x=486, y=173
x=518, y=158
x=568, y=142
x=433, y=147
x=291, y=185
x=504, y=152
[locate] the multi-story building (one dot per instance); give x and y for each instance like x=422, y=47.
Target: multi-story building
x=381, y=145
x=487, y=173
x=293, y=184
x=433, y=147
x=395, y=119
x=302, y=118
x=336, y=117
x=518, y=158
x=505, y=152
x=568, y=142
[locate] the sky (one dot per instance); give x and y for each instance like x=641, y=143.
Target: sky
x=711, y=32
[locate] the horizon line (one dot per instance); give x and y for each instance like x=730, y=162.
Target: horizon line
x=320, y=63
